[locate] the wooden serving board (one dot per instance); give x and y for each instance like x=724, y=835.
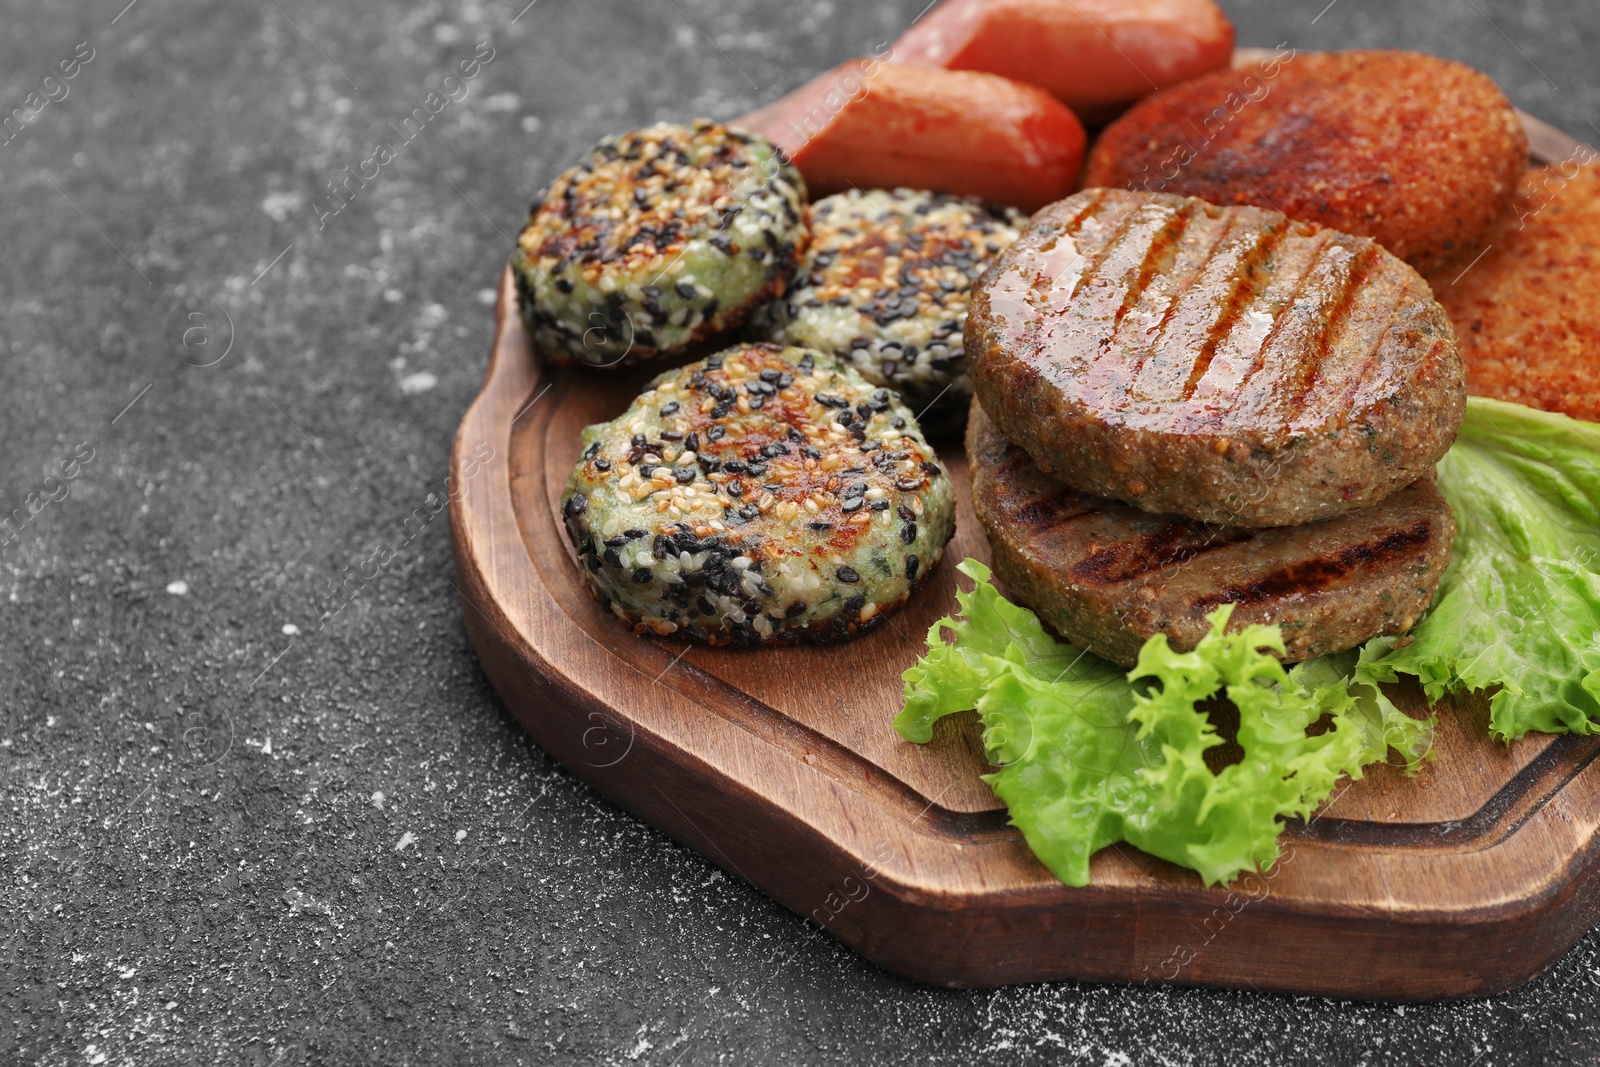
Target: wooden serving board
x=780, y=765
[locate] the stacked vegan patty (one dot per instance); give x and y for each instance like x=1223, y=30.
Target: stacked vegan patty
x=1245, y=372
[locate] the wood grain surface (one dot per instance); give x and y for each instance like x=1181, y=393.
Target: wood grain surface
x=780, y=765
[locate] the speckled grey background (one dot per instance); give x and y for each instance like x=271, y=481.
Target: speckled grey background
x=233, y=836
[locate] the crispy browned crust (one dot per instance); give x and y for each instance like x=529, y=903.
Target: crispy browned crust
x=1420, y=153
x=1107, y=576
x=1527, y=314
x=1219, y=363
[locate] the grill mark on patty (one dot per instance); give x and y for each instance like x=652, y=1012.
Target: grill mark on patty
x=1120, y=359
x=1057, y=510
x=1340, y=408
x=1098, y=290
x=1336, y=311
x=1179, y=541
x=1315, y=575
x=1200, y=304
x=1294, y=352
x=1018, y=285
x=1156, y=251
x=1242, y=297
x=1198, y=417
x=1146, y=377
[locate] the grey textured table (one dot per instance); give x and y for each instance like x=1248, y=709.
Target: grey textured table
x=237, y=832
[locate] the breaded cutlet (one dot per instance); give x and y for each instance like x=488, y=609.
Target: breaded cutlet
x=1527, y=314
x=1419, y=153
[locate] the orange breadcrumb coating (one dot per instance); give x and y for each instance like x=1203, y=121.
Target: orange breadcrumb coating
x=1527, y=315
x=1421, y=154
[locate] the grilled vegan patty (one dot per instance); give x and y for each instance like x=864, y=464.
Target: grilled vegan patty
x=762, y=494
x=885, y=287
x=1107, y=576
x=657, y=239
x=1221, y=363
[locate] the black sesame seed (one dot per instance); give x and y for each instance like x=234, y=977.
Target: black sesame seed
x=855, y=603
x=848, y=574
x=634, y=534
x=564, y=284
x=716, y=433
x=796, y=609
x=577, y=503
x=602, y=464
x=807, y=362
x=589, y=452
x=612, y=559
x=911, y=568
x=685, y=290
x=669, y=408
x=811, y=451
x=850, y=504
x=819, y=525
x=685, y=475
x=908, y=533
x=879, y=505
x=692, y=442
x=642, y=576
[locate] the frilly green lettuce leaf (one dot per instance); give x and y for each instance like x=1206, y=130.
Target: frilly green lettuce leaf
x=1091, y=756
x=1518, y=608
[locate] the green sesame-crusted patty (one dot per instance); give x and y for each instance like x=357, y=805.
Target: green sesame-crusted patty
x=762, y=494
x=657, y=239
x=885, y=287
